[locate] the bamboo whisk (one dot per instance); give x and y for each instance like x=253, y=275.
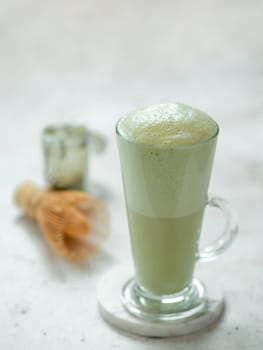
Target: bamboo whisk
x=71, y=221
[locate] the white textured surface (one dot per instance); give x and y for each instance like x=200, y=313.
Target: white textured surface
x=110, y=306
x=94, y=61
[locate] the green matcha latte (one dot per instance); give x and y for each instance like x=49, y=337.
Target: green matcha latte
x=166, y=154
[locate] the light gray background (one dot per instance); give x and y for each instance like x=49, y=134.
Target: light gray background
x=92, y=61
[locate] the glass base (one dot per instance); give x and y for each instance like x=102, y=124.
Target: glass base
x=186, y=304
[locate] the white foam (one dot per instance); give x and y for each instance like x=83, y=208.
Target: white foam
x=167, y=124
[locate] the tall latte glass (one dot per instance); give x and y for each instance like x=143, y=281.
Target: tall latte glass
x=166, y=154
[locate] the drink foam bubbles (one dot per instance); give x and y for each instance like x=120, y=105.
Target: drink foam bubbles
x=167, y=124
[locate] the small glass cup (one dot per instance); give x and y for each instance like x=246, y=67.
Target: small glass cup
x=166, y=195
x=66, y=150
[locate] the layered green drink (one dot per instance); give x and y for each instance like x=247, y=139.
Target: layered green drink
x=166, y=154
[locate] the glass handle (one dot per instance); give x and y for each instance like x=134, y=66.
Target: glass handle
x=97, y=142
x=213, y=250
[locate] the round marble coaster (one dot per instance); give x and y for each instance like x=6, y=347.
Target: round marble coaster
x=111, y=309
